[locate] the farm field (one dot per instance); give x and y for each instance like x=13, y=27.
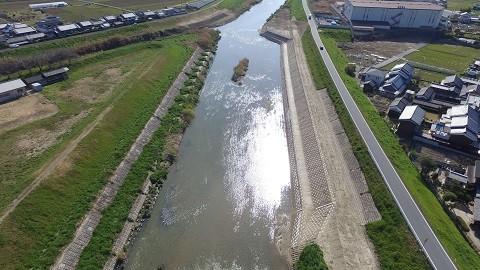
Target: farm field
x=126, y=92
x=76, y=13
x=452, y=57
x=143, y=4
x=450, y=237
x=458, y=4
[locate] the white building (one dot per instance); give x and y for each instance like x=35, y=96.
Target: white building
x=393, y=14
x=47, y=5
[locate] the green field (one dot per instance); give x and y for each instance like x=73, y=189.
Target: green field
x=453, y=57
x=77, y=13
x=457, y=247
x=459, y=4
x=34, y=233
x=395, y=246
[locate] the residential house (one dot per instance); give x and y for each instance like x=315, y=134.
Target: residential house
x=67, y=30
x=465, y=17
x=410, y=121
x=453, y=81
x=85, y=25
x=24, y=31
x=397, y=106
x=375, y=75
x=459, y=126
x=393, y=87
x=128, y=18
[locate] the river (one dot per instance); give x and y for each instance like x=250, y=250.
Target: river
x=222, y=201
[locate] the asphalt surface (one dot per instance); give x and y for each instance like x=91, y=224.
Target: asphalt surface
x=429, y=242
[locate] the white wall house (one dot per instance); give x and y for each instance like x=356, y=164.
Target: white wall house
x=396, y=14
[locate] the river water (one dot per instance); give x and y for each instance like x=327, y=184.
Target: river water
x=220, y=206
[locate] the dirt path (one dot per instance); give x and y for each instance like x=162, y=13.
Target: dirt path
x=50, y=167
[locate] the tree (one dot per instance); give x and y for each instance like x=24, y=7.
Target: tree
x=427, y=164
x=350, y=69
x=311, y=258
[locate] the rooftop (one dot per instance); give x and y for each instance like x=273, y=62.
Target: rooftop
x=11, y=85
x=414, y=113
x=67, y=27
x=395, y=4
x=55, y=72
x=24, y=30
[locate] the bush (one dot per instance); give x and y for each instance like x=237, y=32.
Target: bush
x=463, y=225
x=450, y=196
x=350, y=69
x=311, y=258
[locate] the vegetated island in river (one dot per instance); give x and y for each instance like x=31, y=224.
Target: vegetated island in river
x=240, y=70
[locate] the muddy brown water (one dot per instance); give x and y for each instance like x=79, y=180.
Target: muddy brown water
x=220, y=206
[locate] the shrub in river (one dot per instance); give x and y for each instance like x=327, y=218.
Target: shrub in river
x=240, y=70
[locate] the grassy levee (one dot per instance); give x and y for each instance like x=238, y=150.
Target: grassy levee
x=395, y=245
x=44, y=222
x=457, y=247
x=98, y=249
x=296, y=9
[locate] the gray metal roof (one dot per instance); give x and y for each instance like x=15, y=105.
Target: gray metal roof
x=67, y=27
x=55, y=72
x=24, y=30
x=11, y=85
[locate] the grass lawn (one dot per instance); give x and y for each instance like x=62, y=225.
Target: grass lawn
x=457, y=247
x=395, y=245
x=44, y=222
x=452, y=57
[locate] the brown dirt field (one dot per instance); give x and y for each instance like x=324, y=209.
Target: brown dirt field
x=361, y=52
x=37, y=141
x=95, y=89
x=25, y=110
x=323, y=6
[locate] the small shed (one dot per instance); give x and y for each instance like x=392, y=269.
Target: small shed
x=37, y=87
x=56, y=75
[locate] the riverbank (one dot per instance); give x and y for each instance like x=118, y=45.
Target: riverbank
x=323, y=204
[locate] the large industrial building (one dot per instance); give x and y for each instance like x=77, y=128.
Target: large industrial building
x=371, y=14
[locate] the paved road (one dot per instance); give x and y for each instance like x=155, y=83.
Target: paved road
x=433, y=249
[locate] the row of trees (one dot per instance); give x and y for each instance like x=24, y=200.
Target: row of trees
x=14, y=65
x=48, y=59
